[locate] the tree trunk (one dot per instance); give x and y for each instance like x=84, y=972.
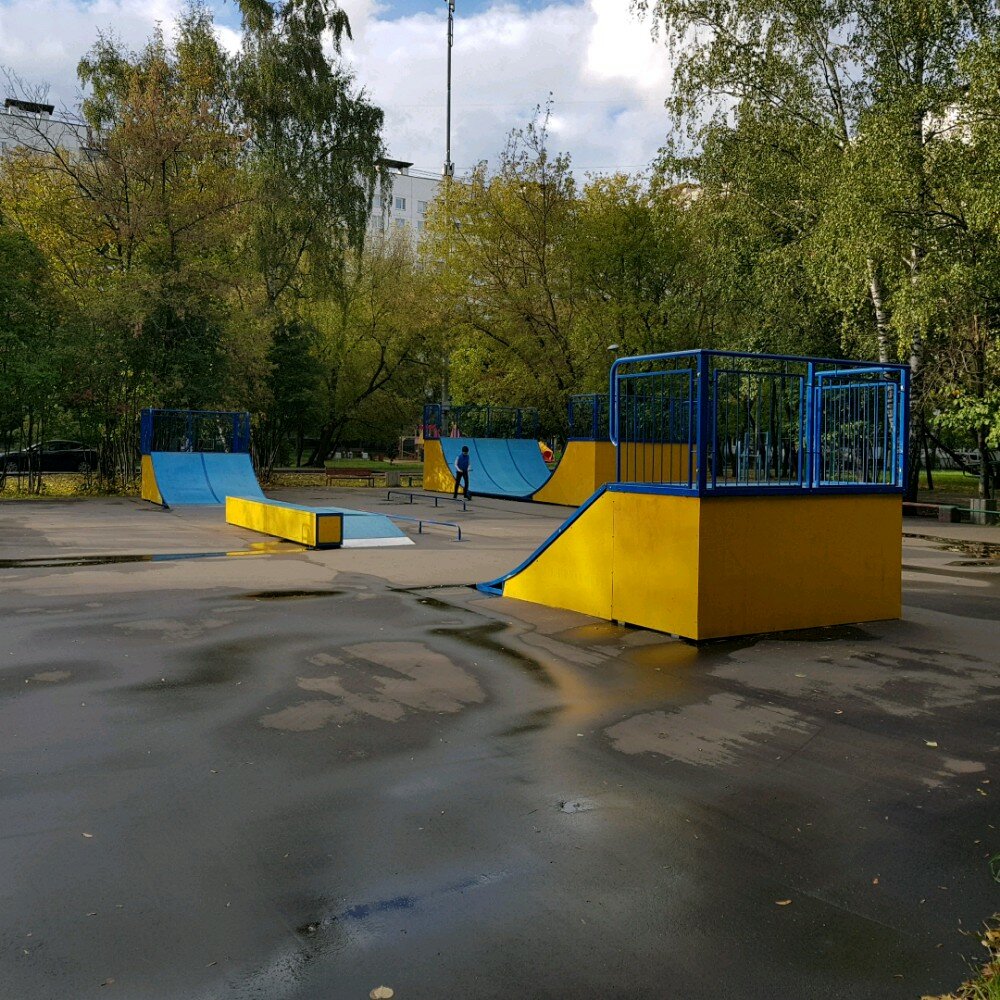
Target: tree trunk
x=881, y=315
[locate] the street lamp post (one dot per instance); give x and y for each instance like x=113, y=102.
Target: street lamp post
x=449, y=167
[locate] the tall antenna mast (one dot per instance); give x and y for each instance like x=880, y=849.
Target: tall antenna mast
x=449, y=167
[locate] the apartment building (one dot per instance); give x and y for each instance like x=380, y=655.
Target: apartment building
x=34, y=126
x=407, y=206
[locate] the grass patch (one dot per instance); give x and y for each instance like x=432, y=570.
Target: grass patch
x=985, y=984
x=57, y=486
x=370, y=463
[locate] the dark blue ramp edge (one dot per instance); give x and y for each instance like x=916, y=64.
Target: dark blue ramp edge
x=231, y=475
x=181, y=478
x=497, y=469
x=495, y=587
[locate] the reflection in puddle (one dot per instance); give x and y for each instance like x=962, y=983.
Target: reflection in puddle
x=287, y=595
x=61, y=562
x=51, y=676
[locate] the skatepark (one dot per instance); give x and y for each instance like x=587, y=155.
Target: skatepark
x=237, y=765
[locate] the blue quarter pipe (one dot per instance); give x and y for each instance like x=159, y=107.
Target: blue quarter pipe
x=190, y=478
x=507, y=468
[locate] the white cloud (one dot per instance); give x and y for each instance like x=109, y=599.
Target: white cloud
x=606, y=76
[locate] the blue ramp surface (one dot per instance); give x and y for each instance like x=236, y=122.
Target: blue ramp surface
x=231, y=475
x=510, y=469
x=181, y=478
x=186, y=478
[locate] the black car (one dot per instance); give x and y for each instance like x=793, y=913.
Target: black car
x=51, y=456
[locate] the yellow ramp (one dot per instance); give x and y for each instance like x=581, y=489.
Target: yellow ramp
x=437, y=476
x=585, y=467
x=318, y=529
x=708, y=568
x=149, y=490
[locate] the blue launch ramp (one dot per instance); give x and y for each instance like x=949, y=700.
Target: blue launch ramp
x=507, y=468
x=205, y=478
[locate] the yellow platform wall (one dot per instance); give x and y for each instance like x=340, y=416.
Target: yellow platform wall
x=776, y=563
x=584, y=467
x=149, y=490
x=307, y=527
x=724, y=566
x=657, y=463
x=437, y=476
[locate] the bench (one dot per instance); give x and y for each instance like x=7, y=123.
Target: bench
x=368, y=475
x=365, y=474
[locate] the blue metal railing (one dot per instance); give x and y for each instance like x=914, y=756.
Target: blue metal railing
x=702, y=421
x=479, y=421
x=588, y=416
x=194, y=430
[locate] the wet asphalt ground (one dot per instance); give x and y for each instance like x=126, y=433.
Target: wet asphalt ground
x=299, y=776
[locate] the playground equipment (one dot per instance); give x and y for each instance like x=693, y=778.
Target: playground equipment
x=753, y=493
x=315, y=528
x=192, y=457
x=505, y=457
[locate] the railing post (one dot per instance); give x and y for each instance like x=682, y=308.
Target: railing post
x=704, y=422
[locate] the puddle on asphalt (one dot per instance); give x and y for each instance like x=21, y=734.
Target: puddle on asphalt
x=287, y=595
x=223, y=672
x=481, y=637
x=62, y=562
x=51, y=676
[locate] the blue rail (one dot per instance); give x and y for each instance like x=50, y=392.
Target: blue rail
x=421, y=521
x=699, y=422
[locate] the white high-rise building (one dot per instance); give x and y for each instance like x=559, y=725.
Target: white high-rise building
x=406, y=208
x=31, y=125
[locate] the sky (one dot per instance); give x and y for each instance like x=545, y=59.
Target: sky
x=606, y=78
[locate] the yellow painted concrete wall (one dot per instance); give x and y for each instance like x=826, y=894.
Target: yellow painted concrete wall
x=656, y=562
x=789, y=562
x=283, y=522
x=584, y=467
x=437, y=476
x=574, y=572
x=658, y=463
x=149, y=490
x=724, y=566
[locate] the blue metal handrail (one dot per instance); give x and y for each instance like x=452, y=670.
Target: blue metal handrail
x=705, y=421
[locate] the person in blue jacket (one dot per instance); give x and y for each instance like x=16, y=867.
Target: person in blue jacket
x=462, y=473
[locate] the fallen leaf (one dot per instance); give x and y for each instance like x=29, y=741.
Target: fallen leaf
x=930, y=743
x=874, y=881
x=89, y=836
x=782, y=902
x=838, y=711
x=382, y=993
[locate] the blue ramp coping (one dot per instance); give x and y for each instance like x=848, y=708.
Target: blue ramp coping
x=362, y=528
x=506, y=468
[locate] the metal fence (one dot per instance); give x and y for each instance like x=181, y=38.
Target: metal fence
x=479, y=421
x=703, y=421
x=588, y=417
x=194, y=430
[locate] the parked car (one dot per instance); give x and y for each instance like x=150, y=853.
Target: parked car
x=51, y=456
